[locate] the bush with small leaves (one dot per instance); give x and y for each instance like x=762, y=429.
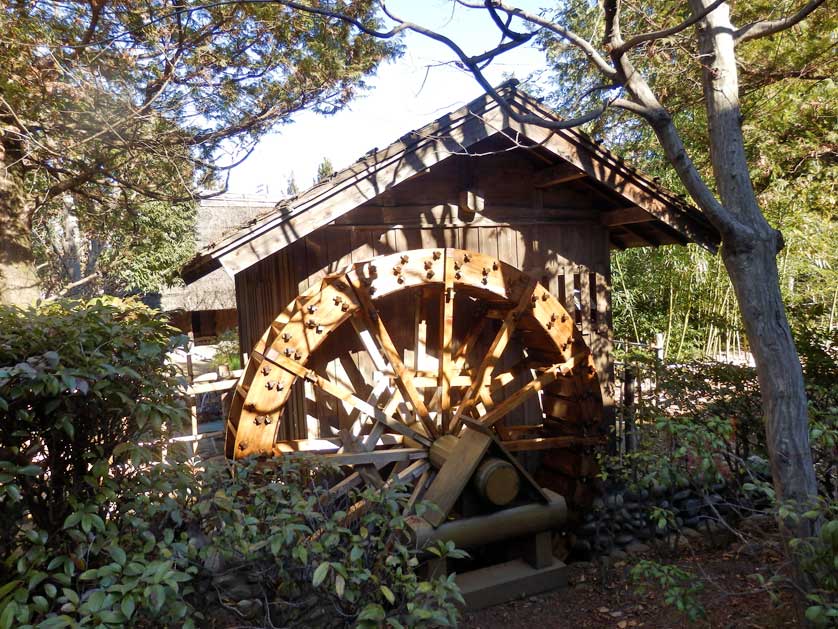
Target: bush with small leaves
x=680, y=588
x=76, y=380
x=97, y=532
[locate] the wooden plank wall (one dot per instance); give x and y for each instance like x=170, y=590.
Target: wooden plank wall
x=553, y=233
x=570, y=258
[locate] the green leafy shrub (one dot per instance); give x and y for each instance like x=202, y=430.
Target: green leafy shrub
x=253, y=541
x=819, y=560
x=316, y=562
x=227, y=350
x=97, y=532
x=680, y=588
x=76, y=380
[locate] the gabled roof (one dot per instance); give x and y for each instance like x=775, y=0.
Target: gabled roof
x=572, y=155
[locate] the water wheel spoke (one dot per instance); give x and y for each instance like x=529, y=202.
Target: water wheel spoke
x=355, y=416
x=501, y=409
x=465, y=348
x=371, y=321
x=344, y=394
x=419, y=488
x=493, y=354
x=446, y=342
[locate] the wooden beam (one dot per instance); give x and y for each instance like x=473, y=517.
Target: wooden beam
x=558, y=174
x=328, y=444
x=606, y=169
x=471, y=202
x=501, y=409
x=404, y=380
x=418, y=491
x=455, y=474
x=376, y=457
x=493, y=354
x=617, y=241
x=446, y=342
x=624, y=216
x=642, y=234
x=549, y=443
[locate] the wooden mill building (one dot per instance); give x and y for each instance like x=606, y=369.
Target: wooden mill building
x=472, y=187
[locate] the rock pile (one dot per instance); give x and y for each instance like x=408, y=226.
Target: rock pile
x=622, y=521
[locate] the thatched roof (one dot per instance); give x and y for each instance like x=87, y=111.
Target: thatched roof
x=216, y=218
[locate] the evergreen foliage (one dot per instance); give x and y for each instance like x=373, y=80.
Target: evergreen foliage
x=790, y=108
x=105, y=106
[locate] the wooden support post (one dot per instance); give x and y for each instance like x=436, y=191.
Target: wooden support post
x=455, y=474
x=628, y=409
x=539, y=550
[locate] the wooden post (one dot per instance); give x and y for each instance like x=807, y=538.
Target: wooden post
x=539, y=550
x=629, y=434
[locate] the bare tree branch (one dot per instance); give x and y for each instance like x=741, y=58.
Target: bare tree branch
x=569, y=36
x=504, y=27
x=763, y=28
x=666, y=32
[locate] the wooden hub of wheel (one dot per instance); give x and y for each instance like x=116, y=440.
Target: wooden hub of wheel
x=421, y=367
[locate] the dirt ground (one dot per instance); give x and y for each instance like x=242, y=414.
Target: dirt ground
x=601, y=595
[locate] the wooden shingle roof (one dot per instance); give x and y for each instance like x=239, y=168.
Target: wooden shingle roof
x=570, y=154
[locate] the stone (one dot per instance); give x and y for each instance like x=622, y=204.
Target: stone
x=236, y=587
x=664, y=504
x=598, y=504
x=757, y=523
x=619, y=555
x=624, y=538
x=690, y=532
x=603, y=542
x=632, y=506
x=637, y=548
x=692, y=522
x=682, y=495
x=675, y=540
x=631, y=496
x=658, y=491
x=691, y=507
x=643, y=533
x=581, y=546
x=250, y=608
x=714, y=499
x=589, y=529
x=614, y=501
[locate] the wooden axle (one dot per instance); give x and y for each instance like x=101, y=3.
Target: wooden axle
x=494, y=527
x=496, y=480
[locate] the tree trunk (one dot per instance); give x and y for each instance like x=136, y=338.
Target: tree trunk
x=750, y=255
x=19, y=282
x=18, y=279
x=753, y=273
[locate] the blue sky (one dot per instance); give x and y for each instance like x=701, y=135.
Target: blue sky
x=404, y=95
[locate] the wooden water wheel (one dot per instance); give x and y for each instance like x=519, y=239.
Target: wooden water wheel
x=429, y=366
